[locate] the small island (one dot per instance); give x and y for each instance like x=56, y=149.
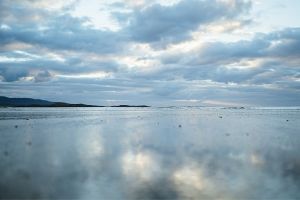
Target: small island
x=128, y=106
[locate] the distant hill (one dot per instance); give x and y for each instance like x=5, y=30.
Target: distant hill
x=28, y=102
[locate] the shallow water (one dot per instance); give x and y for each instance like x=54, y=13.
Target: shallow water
x=149, y=153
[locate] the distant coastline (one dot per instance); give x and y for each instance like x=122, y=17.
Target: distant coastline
x=29, y=102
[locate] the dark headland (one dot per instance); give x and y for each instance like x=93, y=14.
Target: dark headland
x=29, y=102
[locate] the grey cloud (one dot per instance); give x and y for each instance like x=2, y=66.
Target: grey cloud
x=283, y=43
x=14, y=71
x=288, y=42
x=174, y=23
x=178, y=75
x=152, y=92
x=12, y=12
x=43, y=76
x=54, y=29
x=278, y=53
x=64, y=33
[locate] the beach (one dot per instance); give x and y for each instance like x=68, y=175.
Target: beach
x=150, y=153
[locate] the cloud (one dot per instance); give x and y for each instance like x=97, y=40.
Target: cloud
x=283, y=43
x=266, y=58
x=30, y=22
x=64, y=33
x=174, y=23
x=43, y=76
x=41, y=68
x=12, y=74
x=160, y=53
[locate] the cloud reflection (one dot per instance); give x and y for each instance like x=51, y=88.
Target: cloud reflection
x=189, y=180
x=139, y=165
x=86, y=158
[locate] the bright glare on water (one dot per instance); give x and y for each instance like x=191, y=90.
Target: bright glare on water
x=149, y=153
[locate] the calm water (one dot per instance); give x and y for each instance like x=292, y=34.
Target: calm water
x=149, y=153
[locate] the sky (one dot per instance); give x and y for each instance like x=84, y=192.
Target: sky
x=158, y=52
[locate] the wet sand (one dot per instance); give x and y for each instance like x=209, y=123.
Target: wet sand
x=149, y=153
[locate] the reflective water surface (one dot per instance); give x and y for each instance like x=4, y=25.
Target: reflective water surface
x=149, y=153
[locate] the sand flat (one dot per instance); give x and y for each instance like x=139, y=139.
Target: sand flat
x=150, y=153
